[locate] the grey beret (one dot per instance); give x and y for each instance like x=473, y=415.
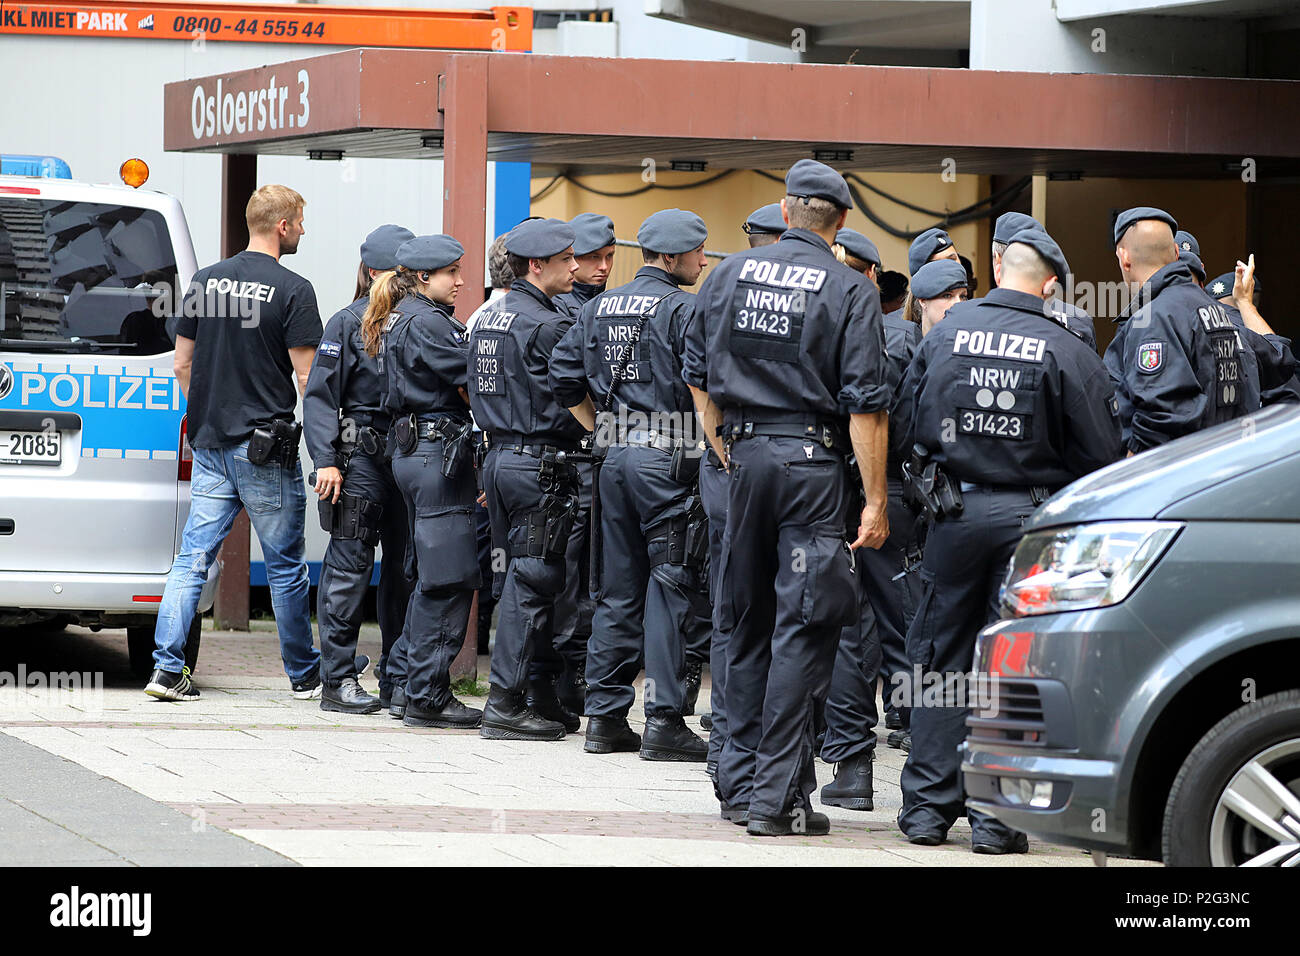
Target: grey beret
x=591, y=232
x=1010, y=223
x=813, y=180
x=935, y=278
x=858, y=245
x=1194, y=262
x=1186, y=242
x=1129, y=216
x=1045, y=246
x=426, y=253
x=766, y=220
x=539, y=238
x=672, y=232
x=924, y=246
x=379, y=251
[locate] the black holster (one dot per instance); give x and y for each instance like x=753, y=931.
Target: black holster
x=686, y=536
x=547, y=528
x=457, y=449
x=275, y=443
x=927, y=489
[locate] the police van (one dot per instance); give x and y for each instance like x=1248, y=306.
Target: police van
x=94, y=465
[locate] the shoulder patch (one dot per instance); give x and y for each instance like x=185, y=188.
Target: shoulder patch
x=331, y=349
x=1150, y=356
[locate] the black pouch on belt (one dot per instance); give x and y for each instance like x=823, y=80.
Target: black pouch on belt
x=685, y=465
x=262, y=446
x=404, y=429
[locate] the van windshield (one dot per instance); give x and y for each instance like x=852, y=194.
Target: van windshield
x=83, y=277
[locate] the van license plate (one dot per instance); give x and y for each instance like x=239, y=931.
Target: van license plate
x=31, y=448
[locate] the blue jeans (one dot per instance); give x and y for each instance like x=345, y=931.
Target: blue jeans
x=223, y=481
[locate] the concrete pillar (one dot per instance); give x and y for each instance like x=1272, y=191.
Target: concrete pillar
x=462, y=99
x=230, y=610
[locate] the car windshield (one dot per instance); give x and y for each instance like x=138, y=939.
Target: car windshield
x=80, y=276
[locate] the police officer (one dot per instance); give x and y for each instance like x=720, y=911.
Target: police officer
x=887, y=598
x=1235, y=291
x=1009, y=407
x=623, y=358
x=346, y=428
x=764, y=225
x=1189, y=251
x=785, y=342
x=425, y=352
x=531, y=487
x=1177, y=361
x=593, y=249
x=930, y=245
x=246, y=336
x=1069, y=315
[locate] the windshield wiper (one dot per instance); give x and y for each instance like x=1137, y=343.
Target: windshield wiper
x=45, y=345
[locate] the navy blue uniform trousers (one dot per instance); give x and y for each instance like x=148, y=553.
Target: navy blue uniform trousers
x=787, y=588
x=965, y=560
x=714, y=482
x=443, y=540
x=645, y=607
x=346, y=570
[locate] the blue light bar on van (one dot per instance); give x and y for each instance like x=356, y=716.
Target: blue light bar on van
x=48, y=167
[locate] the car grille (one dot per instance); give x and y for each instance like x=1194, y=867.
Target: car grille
x=1017, y=715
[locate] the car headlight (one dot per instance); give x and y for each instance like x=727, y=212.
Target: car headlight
x=1087, y=566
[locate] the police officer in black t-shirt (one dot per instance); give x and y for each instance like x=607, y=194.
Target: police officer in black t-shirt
x=346, y=428
x=424, y=351
x=622, y=359
x=247, y=329
x=593, y=250
x=1177, y=361
x=786, y=345
x=1069, y=315
x=1010, y=406
x=531, y=486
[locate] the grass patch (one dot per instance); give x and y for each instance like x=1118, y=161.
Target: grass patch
x=469, y=687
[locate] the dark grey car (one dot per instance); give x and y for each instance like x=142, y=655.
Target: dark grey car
x=1145, y=682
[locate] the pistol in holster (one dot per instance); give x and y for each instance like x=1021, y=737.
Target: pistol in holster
x=927, y=489
x=457, y=448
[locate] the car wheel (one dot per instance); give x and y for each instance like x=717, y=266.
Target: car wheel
x=140, y=647
x=1236, y=799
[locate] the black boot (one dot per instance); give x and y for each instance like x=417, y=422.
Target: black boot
x=851, y=788
x=797, y=823
x=571, y=688
x=668, y=738
x=691, y=686
x=544, y=702
x=611, y=735
x=348, y=698
x=397, y=709
x=507, y=717
x=452, y=714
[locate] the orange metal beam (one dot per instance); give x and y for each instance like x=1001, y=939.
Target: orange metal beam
x=501, y=28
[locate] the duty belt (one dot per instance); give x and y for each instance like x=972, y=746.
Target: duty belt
x=512, y=441
x=650, y=439
x=1037, y=493
x=821, y=432
x=536, y=451
x=439, y=428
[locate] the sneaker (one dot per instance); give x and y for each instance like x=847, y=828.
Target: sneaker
x=309, y=687
x=165, y=685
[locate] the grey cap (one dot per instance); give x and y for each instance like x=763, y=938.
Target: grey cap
x=1193, y=261
x=427, y=253
x=935, y=278
x=379, y=251
x=1220, y=287
x=1038, y=240
x=1010, y=223
x=591, y=231
x=813, y=180
x=1129, y=216
x=1186, y=242
x=671, y=232
x=924, y=246
x=858, y=246
x=539, y=238
x=766, y=220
